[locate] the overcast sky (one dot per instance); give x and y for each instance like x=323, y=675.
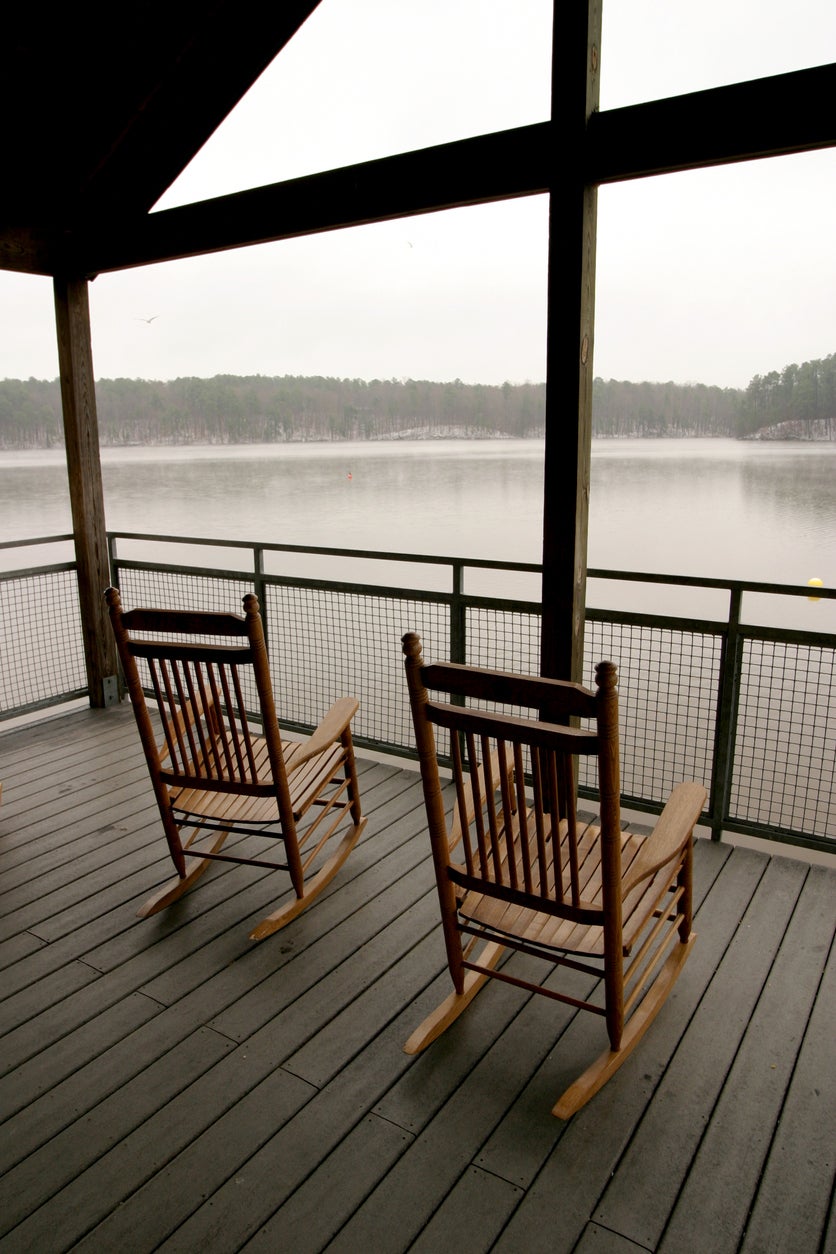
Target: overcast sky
x=711, y=276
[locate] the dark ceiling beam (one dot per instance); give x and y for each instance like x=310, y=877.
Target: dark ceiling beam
x=767, y=117
x=470, y=171
x=28, y=251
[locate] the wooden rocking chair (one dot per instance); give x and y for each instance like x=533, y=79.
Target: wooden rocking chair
x=213, y=776
x=528, y=874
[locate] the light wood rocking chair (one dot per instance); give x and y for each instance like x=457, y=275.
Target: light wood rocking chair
x=213, y=776
x=516, y=868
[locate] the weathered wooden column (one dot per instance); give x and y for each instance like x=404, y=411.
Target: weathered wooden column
x=571, y=306
x=81, y=432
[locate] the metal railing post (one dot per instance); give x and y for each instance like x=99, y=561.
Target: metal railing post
x=112, y=560
x=726, y=724
x=259, y=588
x=458, y=617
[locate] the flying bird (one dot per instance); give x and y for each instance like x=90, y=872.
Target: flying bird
x=151, y=319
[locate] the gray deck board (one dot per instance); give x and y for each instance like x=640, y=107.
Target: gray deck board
x=663, y=1146
x=791, y=1205
x=166, y=1083
x=750, y=1105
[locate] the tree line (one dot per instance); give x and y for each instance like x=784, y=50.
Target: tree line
x=802, y=395
x=232, y=409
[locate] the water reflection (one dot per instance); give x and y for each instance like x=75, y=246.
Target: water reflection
x=719, y=507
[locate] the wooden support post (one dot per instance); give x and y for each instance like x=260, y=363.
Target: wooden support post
x=571, y=306
x=81, y=432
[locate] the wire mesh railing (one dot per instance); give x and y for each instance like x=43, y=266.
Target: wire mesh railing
x=40, y=632
x=783, y=766
x=748, y=711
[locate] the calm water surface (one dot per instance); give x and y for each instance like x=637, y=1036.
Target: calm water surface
x=698, y=507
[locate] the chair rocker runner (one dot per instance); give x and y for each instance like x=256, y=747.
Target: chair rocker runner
x=213, y=776
x=517, y=868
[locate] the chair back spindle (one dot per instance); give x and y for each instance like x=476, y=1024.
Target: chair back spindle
x=215, y=745
x=515, y=812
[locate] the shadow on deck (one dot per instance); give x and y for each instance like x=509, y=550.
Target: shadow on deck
x=169, y=1083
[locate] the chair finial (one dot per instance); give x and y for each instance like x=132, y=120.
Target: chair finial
x=411, y=643
x=250, y=602
x=606, y=675
x=112, y=598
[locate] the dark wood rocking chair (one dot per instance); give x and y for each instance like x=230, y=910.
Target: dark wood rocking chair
x=213, y=776
x=517, y=868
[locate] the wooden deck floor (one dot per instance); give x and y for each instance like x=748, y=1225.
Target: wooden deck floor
x=168, y=1084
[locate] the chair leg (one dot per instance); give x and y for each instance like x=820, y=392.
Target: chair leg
x=450, y=1009
x=350, y=772
x=195, y=866
x=685, y=880
x=605, y=1066
x=313, y=887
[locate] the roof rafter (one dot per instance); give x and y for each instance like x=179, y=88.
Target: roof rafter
x=766, y=117
x=470, y=171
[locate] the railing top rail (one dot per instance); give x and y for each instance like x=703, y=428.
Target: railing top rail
x=594, y=572
x=25, y=544
x=385, y=555
x=699, y=581
x=25, y=572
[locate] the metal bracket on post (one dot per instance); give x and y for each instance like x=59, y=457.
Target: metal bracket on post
x=110, y=690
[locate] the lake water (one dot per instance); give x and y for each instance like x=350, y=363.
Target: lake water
x=712, y=508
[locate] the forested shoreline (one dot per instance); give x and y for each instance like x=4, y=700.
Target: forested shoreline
x=798, y=402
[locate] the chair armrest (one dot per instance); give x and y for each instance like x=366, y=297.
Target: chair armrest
x=329, y=730
x=669, y=836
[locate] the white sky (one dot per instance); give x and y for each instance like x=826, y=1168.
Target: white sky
x=711, y=276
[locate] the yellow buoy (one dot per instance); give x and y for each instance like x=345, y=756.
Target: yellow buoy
x=815, y=583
